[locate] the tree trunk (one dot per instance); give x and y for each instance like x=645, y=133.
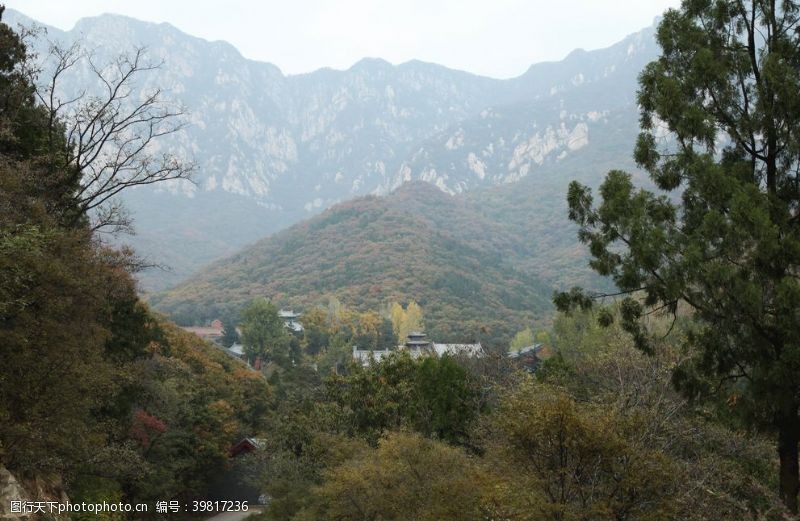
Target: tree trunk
x=788, y=437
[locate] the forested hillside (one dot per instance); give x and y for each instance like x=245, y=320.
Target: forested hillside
x=99, y=396
x=404, y=246
x=416, y=244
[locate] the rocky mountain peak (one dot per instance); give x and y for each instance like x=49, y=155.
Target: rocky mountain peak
x=291, y=146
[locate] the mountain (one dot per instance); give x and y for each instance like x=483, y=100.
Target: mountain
x=274, y=149
x=416, y=243
x=488, y=257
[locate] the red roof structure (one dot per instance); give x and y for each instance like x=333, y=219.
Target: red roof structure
x=245, y=445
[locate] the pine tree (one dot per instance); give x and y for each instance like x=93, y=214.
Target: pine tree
x=386, y=337
x=229, y=334
x=721, y=236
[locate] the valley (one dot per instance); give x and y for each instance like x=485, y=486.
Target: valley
x=399, y=290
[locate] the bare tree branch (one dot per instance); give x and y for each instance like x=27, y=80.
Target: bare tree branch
x=112, y=132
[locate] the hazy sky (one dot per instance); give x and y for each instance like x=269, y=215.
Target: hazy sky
x=498, y=38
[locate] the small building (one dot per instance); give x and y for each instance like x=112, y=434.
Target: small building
x=528, y=350
x=291, y=320
x=417, y=342
x=235, y=483
x=529, y=357
x=365, y=356
x=246, y=445
x=469, y=350
x=236, y=350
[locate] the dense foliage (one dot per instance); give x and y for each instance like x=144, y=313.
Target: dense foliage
x=721, y=236
x=598, y=433
x=264, y=336
x=190, y=403
x=94, y=388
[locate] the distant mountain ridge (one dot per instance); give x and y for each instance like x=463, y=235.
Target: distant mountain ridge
x=275, y=149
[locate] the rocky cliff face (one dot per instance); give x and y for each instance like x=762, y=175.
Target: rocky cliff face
x=278, y=148
x=40, y=489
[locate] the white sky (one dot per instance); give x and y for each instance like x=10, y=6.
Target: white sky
x=498, y=38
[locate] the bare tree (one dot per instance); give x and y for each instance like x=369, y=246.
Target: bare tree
x=111, y=127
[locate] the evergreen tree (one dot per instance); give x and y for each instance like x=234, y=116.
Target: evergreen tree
x=721, y=237
x=264, y=334
x=52, y=286
x=386, y=337
x=229, y=334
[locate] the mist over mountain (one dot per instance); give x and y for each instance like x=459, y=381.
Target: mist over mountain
x=273, y=149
